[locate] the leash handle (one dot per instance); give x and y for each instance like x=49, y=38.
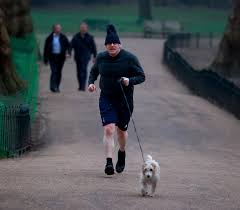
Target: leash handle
x=120, y=81
x=134, y=125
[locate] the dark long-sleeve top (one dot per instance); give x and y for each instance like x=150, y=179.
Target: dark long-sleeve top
x=111, y=69
x=48, y=47
x=83, y=47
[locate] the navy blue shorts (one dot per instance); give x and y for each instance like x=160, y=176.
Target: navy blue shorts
x=114, y=110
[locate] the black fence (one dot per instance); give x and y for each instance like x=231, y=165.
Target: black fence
x=15, y=130
x=193, y=40
x=205, y=83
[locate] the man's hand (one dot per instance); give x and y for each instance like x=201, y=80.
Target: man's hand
x=94, y=60
x=92, y=88
x=125, y=81
x=68, y=56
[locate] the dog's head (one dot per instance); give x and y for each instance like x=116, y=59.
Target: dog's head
x=149, y=169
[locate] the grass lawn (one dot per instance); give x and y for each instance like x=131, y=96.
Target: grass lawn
x=197, y=19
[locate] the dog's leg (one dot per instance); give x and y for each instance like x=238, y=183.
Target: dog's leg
x=144, y=189
x=154, y=185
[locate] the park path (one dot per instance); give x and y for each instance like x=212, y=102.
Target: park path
x=196, y=142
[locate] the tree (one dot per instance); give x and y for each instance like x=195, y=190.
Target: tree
x=227, y=61
x=15, y=21
x=10, y=83
x=145, y=11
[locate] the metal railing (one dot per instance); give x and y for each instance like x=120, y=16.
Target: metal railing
x=205, y=83
x=193, y=40
x=15, y=130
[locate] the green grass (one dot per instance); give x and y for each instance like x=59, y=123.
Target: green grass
x=197, y=19
x=25, y=60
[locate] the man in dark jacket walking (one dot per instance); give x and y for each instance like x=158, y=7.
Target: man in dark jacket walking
x=56, y=49
x=114, y=65
x=84, y=46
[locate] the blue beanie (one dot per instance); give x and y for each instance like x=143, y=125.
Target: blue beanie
x=112, y=36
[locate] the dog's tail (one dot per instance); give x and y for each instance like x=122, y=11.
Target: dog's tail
x=148, y=157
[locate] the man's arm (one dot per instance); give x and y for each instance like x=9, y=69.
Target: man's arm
x=94, y=48
x=72, y=43
x=45, y=51
x=93, y=73
x=68, y=46
x=137, y=73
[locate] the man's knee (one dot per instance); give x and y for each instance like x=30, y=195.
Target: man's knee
x=109, y=130
x=122, y=134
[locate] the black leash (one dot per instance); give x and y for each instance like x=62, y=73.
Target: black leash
x=133, y=122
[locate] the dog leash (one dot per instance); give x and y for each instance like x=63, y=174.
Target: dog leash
x=133, y=122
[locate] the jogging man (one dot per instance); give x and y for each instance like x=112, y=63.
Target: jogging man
x=114, y=65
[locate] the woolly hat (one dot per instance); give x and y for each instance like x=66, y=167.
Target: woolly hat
x=112, y=36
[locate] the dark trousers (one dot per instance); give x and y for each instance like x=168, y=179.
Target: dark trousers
x=56, y=65
x=82, y=73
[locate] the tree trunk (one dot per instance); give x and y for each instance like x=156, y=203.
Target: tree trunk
x=14, y=21
x=145, y=10
x=227, y=61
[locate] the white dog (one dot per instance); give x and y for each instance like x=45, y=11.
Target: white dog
x=150, y=175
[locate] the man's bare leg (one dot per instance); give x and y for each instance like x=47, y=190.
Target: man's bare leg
x=122, y=138
x=108, y=142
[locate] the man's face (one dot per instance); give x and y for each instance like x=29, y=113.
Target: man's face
x=113, y=49
x=57, y=29
x=83, y=28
